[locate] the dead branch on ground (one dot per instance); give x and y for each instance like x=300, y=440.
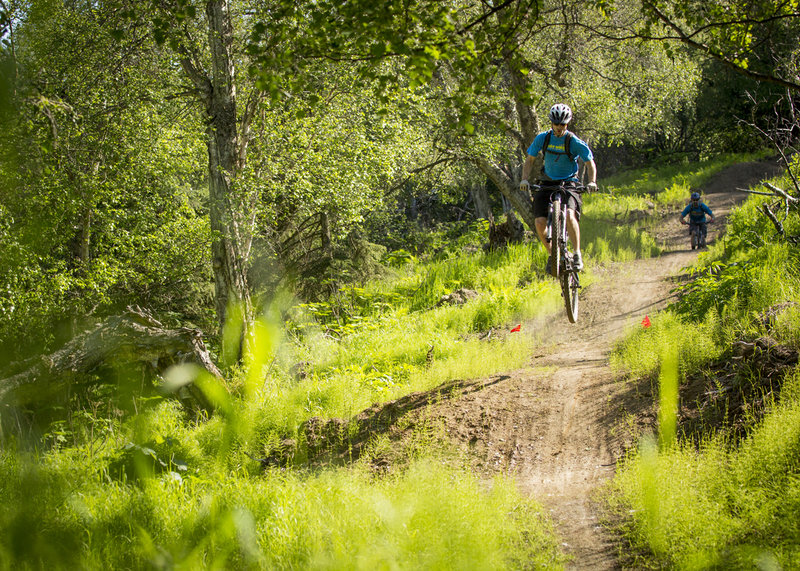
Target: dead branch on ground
x=134, y=340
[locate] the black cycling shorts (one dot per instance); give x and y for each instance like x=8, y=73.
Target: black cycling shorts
x=541, y=198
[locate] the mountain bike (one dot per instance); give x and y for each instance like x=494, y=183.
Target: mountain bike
x=563, y=267
x=696, y=233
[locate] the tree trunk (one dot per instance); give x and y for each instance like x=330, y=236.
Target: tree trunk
x=232, y=208
x=481, y=199
x=528, y=121
x=325, y=235
x=230, y=221
x=521, y=201
x=529, y=128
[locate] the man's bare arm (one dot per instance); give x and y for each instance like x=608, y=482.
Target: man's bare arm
x=527, y=166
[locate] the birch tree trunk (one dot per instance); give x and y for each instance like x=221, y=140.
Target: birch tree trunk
x=230, y=222
x=231, y=209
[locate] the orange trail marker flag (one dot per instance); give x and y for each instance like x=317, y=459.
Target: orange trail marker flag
x=646, y=321
x=517, y=328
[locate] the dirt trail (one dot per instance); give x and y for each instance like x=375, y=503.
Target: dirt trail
x=559, y=424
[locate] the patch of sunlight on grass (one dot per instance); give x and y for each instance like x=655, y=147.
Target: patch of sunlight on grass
x=639, y=352
x=476, y=359
x=652, y=180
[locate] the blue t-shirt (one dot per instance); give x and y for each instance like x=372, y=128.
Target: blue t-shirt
x=697, y=214
x=556, y=165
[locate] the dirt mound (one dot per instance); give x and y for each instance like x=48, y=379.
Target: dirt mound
x=734, y=393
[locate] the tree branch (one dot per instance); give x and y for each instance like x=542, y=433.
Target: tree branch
x=687, y=38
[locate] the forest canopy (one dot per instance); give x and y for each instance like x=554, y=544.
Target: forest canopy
x=190, y=156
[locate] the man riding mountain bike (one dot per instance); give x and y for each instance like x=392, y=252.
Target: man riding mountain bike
x=561, y=149
x=697, y=216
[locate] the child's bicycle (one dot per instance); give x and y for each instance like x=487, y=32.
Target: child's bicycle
x=697, y=238
x=563, y=266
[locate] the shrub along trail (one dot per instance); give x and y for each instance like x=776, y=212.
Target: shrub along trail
x=560, y=425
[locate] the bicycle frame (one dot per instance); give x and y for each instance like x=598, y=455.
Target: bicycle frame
x=696, y=234
x=561, y=258
x=559, y=245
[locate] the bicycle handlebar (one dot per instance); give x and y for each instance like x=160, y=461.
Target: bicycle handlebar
x=579, y=188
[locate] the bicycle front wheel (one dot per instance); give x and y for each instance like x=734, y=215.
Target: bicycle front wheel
x=570, y=285
x=555, y=237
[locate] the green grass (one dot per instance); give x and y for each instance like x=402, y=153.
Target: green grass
x=718, y=507
x=430, y=516
x=725, y=504
x=640, y=352
x=670, y=183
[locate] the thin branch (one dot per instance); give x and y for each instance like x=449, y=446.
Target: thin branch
x=423, y=168
x=494, y=10
x=774, y=140
x=779, y=191
x=194, y=71
x=688, y=39
x=773, y=218
x=755, y=192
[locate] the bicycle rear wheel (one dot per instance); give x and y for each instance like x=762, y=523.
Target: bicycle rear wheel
x=570, y=285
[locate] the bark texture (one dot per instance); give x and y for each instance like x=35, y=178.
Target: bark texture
x=231, y=208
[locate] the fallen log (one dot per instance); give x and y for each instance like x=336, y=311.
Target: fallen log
x=133, y=339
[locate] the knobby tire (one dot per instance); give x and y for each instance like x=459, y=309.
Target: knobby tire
x=555, y=237
x=569, y=288
x=565, y=272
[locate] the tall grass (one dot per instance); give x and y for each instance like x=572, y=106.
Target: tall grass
x=719, y=507
x=430, y=516
x=640, y=352
x=724, y=504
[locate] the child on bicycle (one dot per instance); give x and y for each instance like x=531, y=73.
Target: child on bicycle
x=561, y=150
x=697, y=216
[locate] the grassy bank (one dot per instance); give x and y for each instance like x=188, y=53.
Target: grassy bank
x=58, y=514
x=733, y=500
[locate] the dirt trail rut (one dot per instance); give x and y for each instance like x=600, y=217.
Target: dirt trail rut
x=558, y=425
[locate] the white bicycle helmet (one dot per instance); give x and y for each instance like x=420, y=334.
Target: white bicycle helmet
x=560, y=114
